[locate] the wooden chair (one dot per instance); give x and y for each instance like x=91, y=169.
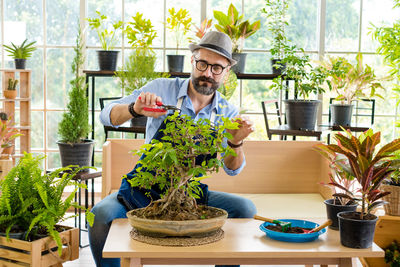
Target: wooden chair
x=283, y=129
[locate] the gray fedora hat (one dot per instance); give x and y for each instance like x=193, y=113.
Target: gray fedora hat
x=216, y=42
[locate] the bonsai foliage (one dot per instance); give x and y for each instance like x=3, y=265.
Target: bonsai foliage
x=179, y=23
x=7, y=133
x=74, y=126
x=106, y=30
x=369, y=167
x=392, y=254
x=22, y=51
x=235, y=27
x=140, y=32
x=351, y=82
x=276, y=11
x=33, y=201
x=12, y=84
x=171, y=164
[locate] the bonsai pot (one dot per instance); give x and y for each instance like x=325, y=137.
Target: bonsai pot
x=393, y=199
x=76, y=154
x=341, y=114
x=175, y=63
x=107, y=59
x=332, y=209
x=163, y=228
x=10, y=94
x=241, y=62
x=356, y=233
x=20, y=63
x=301, y=114
x=277, y=67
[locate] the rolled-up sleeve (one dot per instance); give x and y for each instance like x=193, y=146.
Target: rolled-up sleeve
x=237, y=171
x=105, y=112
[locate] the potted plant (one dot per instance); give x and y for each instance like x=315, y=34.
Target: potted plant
x=20, y=53
x=370, y=168
x=75, y=148
x=348, y=83
x=392, y=185
x=276, y=11
x=171, y=165
x=301, y=113
x=179, y=24
x=32, y=202
x=7, y=135
x=392, y=254
x=11, y=91
x=108, y=39
x=238, y=30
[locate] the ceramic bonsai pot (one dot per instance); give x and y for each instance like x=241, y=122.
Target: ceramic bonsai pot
x=163, y=228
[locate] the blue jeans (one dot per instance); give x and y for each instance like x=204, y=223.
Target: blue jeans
x=110, y=208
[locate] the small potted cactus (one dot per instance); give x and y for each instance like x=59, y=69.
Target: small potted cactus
x=11, y=91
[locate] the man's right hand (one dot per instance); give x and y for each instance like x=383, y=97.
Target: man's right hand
x=148, y=100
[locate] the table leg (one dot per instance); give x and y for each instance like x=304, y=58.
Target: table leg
x=345, y=262
x=131, y=262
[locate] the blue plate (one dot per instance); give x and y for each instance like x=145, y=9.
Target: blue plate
x=288, y=237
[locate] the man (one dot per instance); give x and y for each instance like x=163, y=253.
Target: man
x=196, y=97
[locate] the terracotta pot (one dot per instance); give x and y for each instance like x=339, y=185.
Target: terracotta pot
x=10, y=94
x=6, y=153
x=162, y=228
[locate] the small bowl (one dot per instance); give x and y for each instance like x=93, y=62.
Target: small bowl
x=289, y=237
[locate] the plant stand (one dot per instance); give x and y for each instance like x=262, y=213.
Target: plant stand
x=5, y=167
x=387, y=230
x=41, y=252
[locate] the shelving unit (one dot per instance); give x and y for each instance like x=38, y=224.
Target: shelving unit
x=24, y=100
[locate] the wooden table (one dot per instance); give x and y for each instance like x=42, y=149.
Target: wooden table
x=243, y=243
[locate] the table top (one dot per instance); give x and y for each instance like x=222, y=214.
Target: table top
x=243, y=239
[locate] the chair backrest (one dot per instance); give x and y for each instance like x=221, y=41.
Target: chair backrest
x=364, y=108
x=103, y=99
x=265, y=104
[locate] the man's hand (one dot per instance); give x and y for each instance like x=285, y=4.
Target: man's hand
x=245, y=128
x=148, y=100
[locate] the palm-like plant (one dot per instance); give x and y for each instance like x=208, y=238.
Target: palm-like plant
x=368, y=167
x=22, y=51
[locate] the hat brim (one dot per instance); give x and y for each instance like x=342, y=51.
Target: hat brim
x=194, y=47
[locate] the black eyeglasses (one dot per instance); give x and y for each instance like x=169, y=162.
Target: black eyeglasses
x=202, y=65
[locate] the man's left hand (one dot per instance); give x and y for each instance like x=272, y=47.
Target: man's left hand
x=245, y=128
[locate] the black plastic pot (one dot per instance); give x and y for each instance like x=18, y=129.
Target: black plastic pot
x=20, y=63
x=333, y=209
x=341, y=114
x=76, y=154
x=241, y=62
x=356, y=233
x=301, y=114
x=175, y=63
x=278, y=70
x=18, y=235
x=107, y=59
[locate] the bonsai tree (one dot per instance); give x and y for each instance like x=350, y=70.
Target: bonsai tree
x=235, y=27
x=32, y=201
x=179, y=23
x=369, y=167
x=350, y=82
x=171, y=163
x=74, y=126
x=140, y=67
x=106, y=31
x=22, y=51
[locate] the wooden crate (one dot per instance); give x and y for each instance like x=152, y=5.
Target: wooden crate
x=387, y=230
x=5, y=166
x=23, y=253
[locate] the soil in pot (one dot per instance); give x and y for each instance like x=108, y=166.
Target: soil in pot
x=290, y=230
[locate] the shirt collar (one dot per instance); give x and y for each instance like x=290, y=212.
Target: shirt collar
x=183, y=93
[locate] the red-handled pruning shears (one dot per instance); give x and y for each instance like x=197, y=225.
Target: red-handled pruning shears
x=162, y=108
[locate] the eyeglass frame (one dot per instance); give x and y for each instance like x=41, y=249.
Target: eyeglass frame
x=208, y=64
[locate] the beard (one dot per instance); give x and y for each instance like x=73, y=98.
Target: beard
x=204, y=89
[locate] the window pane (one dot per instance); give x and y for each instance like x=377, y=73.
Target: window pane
x=342, y=22
x=62, y=21
x=53, y=160
x=37, y=133
x=302, y=29
x=252, y=13
x=112, y=10
x=23, y=20
x=254, y=92
x=35, y=63
x=53, y=118
x=146, y=7
x=59, y=75
x=379, y=13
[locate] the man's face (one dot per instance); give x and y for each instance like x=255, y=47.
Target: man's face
x=207, y=80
